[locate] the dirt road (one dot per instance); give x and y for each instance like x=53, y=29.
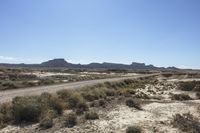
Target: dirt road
x=8, y=95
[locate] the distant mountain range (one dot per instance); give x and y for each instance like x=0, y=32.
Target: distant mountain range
x=62, y=63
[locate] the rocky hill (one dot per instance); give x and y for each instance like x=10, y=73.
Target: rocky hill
x=62, y=63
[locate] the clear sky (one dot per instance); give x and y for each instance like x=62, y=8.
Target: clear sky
x=159, y=32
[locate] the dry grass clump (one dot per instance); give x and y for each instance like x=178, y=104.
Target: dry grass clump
x=186, y=123
x=181, y=97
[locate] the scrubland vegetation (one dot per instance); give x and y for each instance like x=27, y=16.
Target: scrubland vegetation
x=46, y=107
x=21, y=78
x=73, y=108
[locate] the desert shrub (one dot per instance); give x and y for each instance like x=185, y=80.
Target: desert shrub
x=181, y=97
x=197, y=88
x=115, y=85
x=142, y=95
x=51, y=102
x=129, y=81
x=130, y=91
x=26, y=109
x=74, y=99
x=94, y=104
x=99, y=93
x=110, y=92
x=133, y=129
x=93, y=94
x=2, y=123
x=26, y=76
x=167, y=75
x=120, y=84
x=186, y=123
x=29, y=83
x=46, y=82
x=81, y=108
x=89, y=96
x=108, y=84
x=46, y=120
x=5, y=114
x=187, y=86
x=64, y=94
x=70, y=120
x=5, y=110
x=9, y=85
x=91, y=116
x=102, y=102
x=127, y=92
x=198, y=95
x=132, y=103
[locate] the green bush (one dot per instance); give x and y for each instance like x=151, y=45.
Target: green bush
x=132, y=103
x=91, y=116
x=70, y=120
x=133, y=129
x=26, y=109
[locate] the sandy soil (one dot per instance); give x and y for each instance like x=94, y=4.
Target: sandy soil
x=47, y=74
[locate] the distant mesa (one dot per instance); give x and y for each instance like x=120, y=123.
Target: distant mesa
x=55, y=63
x=62, y=63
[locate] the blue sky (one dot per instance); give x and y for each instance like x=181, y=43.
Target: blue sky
x=159, y=32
